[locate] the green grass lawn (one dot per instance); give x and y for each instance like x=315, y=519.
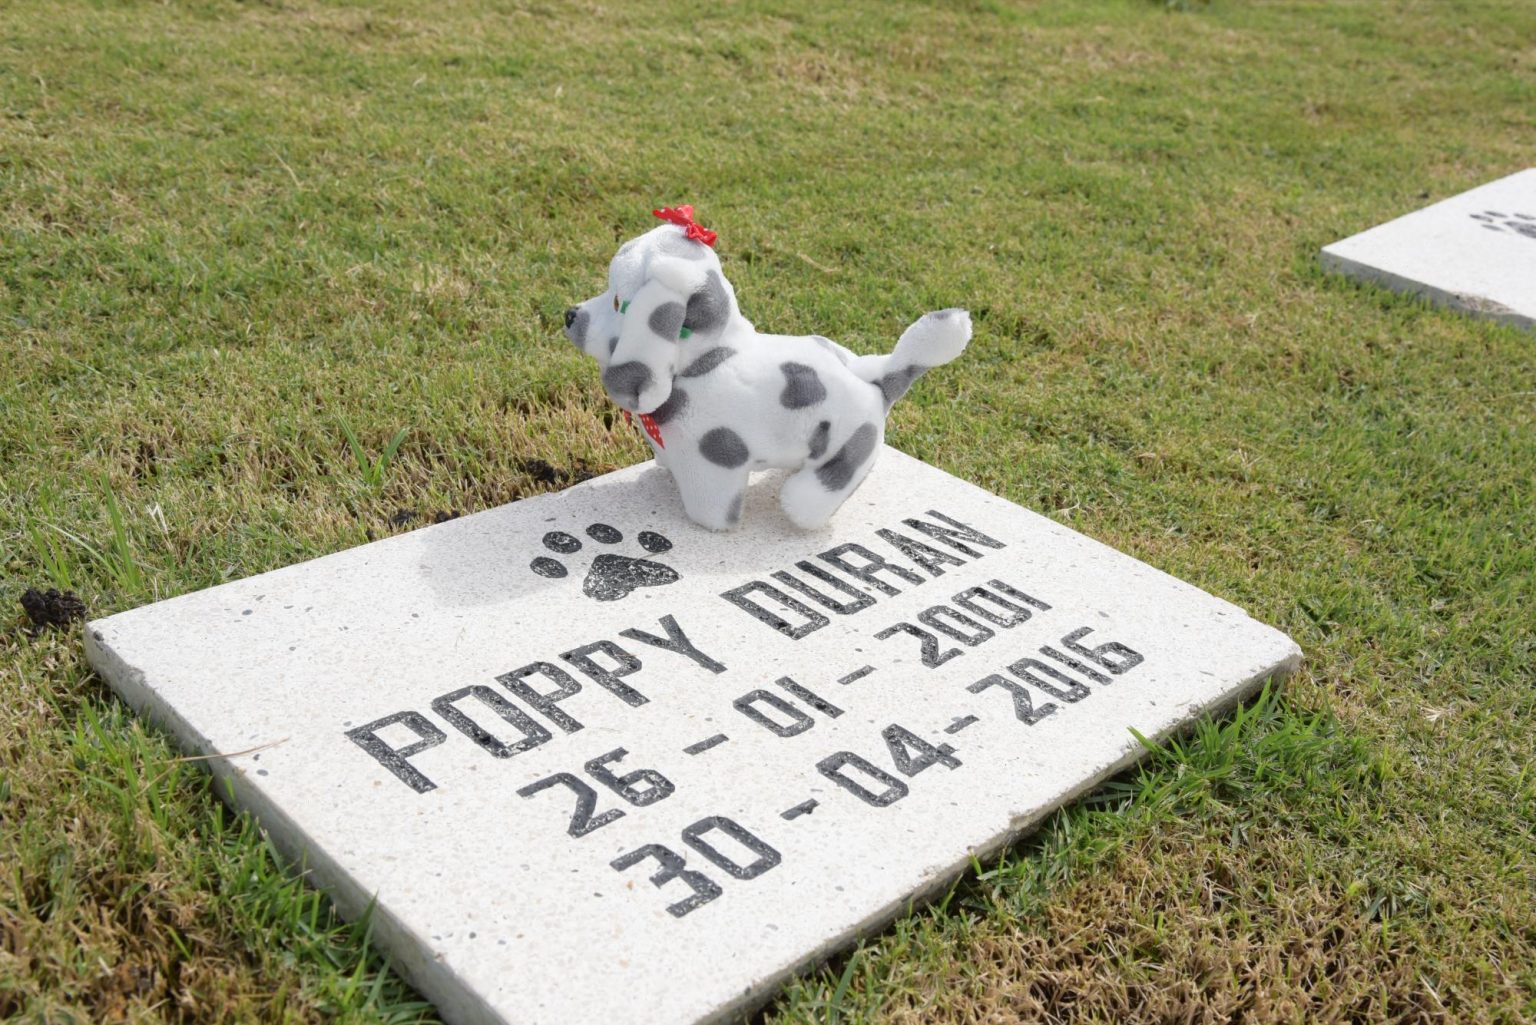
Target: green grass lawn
x=232, y=235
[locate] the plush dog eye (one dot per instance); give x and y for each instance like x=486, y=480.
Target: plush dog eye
x=615, y=304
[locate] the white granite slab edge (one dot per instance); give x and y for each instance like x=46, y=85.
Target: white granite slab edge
x=1336, y=262
x=1401, y=253
x=408, y=952
x=1273, y=655
x=456, y=1002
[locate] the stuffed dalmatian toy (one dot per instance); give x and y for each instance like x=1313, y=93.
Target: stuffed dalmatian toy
x=718, y=400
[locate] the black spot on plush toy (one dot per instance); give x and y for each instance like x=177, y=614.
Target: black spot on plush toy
x=718, y=399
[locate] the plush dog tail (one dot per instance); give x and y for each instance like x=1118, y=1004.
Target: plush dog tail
x=933, y=340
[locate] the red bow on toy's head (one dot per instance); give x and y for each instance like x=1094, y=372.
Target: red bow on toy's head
x=682, y=216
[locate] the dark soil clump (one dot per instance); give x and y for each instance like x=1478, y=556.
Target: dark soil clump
x=543, y=473
x=51, y=607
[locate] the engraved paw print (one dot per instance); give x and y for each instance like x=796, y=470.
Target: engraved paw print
x=1519, y=223
x=610, y=577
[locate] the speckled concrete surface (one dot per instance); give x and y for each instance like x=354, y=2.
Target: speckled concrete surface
x=598, y=764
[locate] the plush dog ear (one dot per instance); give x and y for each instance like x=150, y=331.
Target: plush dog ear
x=708, y=302
x=639, y=375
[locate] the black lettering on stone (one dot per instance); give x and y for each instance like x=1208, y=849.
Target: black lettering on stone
x=676, y=641
x=394, y=759
x=1026, y=670
x=961, y=627
x=861, y=600
x=803, y=808
x=813, y=620
x=766, y=856
x=932, y=656
x=1023, y=706
x=873, y=566
x=1014, y=592
x=1072, y=663
x=810, y=697
x=928, y=558
x=584, y=817
x=1006, y=615
x=960, y=723
x=533, y=733
x=705, y=744
x=672, y=867
x=798, y=722
x=608, y=679
x=545, y=703
x=956, y=536
x=832, y=767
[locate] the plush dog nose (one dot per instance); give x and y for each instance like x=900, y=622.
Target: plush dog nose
x=570, y=315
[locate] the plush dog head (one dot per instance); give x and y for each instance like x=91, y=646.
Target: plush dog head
x=663, y=287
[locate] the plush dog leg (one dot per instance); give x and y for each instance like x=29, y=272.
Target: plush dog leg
x=662, y=460
x=814, y=492
x=712, y=495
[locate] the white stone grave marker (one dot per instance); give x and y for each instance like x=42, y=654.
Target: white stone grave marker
x=597, y=764
x=1474, y=252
